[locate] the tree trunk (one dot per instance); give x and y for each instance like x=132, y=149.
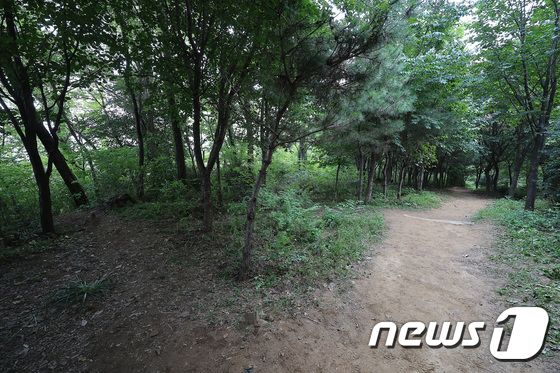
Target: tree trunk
x=207, y=201
x=42, y=180
x=141, y=160
x=401, y=180
x=251, y=212
x=532, y=177
x=177, y=137
x=302, y=151
x=361, y=162
x=371, y=174
x=191, y=154
x=263, y=135
x=219, y=181
x=478, y=176
x=520, y=154
x=386, y=175
x=496, y=178
x=139, y=135
x=389, y=168
x=336, y=181
x=250, y=144
x=487, y=179
x=420, y=180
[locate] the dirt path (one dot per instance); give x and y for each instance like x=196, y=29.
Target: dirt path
x=432, y=266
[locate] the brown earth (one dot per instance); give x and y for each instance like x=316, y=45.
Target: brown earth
x=432, y=266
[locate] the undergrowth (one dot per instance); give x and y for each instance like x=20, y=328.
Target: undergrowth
x=300, y=244
x=411, y=199
x=530, y=246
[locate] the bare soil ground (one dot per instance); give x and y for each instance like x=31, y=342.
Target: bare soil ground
x=431, y=266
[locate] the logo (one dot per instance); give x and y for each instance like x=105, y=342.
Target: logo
x=526, y=339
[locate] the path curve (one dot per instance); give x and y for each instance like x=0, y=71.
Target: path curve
x=426, y=269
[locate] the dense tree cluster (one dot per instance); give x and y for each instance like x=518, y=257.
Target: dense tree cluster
x=196, y=98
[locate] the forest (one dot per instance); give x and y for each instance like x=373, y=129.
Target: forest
x=260, y=141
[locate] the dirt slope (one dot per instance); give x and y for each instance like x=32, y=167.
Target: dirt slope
x=427, y=269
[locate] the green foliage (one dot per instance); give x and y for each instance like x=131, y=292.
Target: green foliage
x=530, y=245
x=117, y=171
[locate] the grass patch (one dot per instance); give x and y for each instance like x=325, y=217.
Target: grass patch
x=80, y=291
x=530, y=246
x=411, y=199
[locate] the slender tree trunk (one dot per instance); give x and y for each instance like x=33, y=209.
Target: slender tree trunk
x=207, y=201
x=520, y=154
x=496, y=177
x=302, y=151
x=478, y=176
x=263, y=136
x=386, y=175
x=191, y=154
x=401, y=181
x=371, y=174
x=361, y=162
x=177, y=137
x=487, y=179
x=250, y=144
x=420, y=184
x=141, y=154
x=139, y=135
x=532, y=177
x=389, y=168
x=219, y=181
x=251, y=212
x=336, y=181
